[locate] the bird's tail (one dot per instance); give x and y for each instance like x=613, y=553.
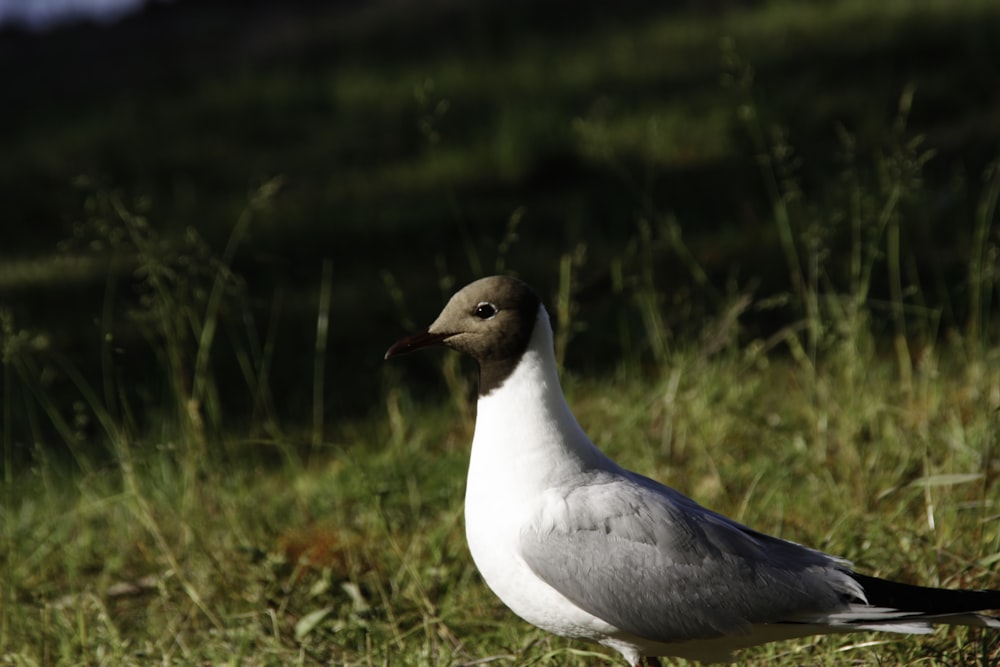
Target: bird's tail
x=898, y=607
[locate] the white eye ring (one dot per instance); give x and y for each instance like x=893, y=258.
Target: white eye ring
x=485, y=310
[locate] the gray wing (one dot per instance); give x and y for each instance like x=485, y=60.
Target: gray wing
x=654, y=563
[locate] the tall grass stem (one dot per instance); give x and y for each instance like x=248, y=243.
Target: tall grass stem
x=319, y=359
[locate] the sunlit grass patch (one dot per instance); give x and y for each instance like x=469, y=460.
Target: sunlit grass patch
x=360, y=555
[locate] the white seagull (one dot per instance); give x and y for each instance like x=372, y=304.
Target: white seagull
x=581, y=547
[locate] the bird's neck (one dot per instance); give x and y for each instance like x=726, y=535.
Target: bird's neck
x=524, y=428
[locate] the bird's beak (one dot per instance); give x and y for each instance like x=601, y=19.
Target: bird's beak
x=414, y=342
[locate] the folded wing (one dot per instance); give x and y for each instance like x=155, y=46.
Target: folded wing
x=654, y=563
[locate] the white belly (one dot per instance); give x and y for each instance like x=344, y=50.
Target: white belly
x=492, y=529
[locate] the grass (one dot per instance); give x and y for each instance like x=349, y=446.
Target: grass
x=159, y=511
x=358, y=557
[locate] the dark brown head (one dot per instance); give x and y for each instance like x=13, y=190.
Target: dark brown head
x=491, y=320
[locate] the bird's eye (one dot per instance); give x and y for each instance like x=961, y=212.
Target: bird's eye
x=485, y=311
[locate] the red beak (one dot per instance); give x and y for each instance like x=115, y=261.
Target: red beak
x=414, y=342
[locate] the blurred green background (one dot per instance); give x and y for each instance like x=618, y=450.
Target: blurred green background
x=265, y=163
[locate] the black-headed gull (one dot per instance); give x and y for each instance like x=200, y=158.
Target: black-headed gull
x=583, y=548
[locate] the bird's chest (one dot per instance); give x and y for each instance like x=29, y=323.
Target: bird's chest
x=521, y=450
x=493, y=524
x=494, y=518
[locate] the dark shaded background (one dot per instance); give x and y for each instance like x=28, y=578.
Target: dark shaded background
x=181, y=112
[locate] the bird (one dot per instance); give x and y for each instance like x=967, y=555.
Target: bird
x=580, y=547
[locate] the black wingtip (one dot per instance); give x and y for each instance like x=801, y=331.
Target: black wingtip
x=924, y=599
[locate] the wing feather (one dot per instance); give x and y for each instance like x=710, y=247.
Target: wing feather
x=655, y=564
